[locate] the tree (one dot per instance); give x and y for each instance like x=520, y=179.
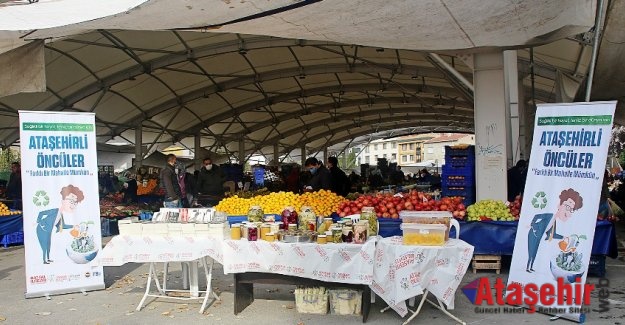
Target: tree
x=617, y=143
x=7, y=157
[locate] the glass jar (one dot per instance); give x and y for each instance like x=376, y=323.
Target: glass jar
x=235, y=232
x=289, y=215
x=244, y=230
x=337, y=235
x=360, y=232
x=255, y=214
x=292, y=227
x=348, y=234
x=252, y=233
x=368, y=214
x=275, y=227
x=264, y=230
x=270, y=237
x=306, y=217
x=322, y=239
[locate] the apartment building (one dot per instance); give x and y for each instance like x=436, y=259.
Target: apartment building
x=435, y=148
x=410, y=148
x=381, y=148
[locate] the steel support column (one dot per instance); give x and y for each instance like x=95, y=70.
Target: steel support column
x=197, y=159
x=139, y=145
x=276, y=154
x=325, y=155
x=303, y=154
x=511, y=74
x=491, y=146
x=241, y=152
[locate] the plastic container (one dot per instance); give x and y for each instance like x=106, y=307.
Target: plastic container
x=311, y=300
x=345, y=302
x=255, y=214
x=416, y=234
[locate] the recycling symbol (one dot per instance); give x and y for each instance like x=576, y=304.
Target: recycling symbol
x=41, y=198
x=539, y=200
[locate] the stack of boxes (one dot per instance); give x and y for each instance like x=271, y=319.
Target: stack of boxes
x=458, y=177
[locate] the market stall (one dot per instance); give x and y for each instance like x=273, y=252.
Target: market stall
x=11, y=226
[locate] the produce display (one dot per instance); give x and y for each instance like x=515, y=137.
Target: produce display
x=112, y=206
x=5, y=211
x=323, y=202
x=147, y=187
x=489, y=210
x=248, y=194
x=389, y=206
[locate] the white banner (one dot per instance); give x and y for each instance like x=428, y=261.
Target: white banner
x=60, y=201
x=561, y=198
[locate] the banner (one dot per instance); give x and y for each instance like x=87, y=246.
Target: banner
x=559, y=212
x=60, y=202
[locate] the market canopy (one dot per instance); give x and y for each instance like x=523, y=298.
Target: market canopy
x=325, y=72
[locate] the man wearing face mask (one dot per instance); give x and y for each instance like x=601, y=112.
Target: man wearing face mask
x=169, y=181
x=210, y=183
x=320, y=179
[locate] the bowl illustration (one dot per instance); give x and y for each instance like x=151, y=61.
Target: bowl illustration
x=81, y=258
x=567, y=276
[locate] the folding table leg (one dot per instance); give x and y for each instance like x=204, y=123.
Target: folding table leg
x=147, y=287
x=165, y=274
x=194, y=289
x=442, y=308
x=185, y=275
x=416, y=312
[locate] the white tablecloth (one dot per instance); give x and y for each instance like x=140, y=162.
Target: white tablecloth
x=402, y=272
x=344, y=263
x=146, y=249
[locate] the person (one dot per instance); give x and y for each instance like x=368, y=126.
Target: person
x=211, y=182
x=190, y=182
x=169, y=181
x=425, y=176
x=48, y=219
x=604, y=205
x=516, y=179
x=292, y=180
x=354, y=178
x=545, y=224
x=397, y=177
x=320, y=176
x=130, y=189
x=339, y=183
x=14, y=186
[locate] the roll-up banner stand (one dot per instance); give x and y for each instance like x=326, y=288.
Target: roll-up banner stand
x=559, y=213
x=62, y=235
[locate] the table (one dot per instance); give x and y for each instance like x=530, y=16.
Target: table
x=160, y=249
x=11, y=224
x=330, y=265
x=403, y=272
x=497, y=237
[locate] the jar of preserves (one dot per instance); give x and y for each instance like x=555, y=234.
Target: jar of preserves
x=368, y=214
x=235, y=232
x=270, y=237
x=360, y=232
x=255, y=214
x=252, y=233
x=264, y=230
x=292, y=227
x=348, y=234
x=289, y=215
x=321, y=239
x=306, y=217
x=337, y=235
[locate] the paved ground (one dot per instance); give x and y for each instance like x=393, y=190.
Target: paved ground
x=273, y=305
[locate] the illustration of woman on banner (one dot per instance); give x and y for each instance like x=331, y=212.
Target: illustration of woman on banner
x=546, y=224
x=56, y=219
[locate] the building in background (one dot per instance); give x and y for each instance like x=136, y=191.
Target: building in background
x=381, y=148
x=435, y=147
x=410, y=148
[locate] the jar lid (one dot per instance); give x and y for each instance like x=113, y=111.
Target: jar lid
x=326, y=219
x=322, y=236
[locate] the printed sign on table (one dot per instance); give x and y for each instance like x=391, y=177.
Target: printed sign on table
x=61, y=204
x=561, y=198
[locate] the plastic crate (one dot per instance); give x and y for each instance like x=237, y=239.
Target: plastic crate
x=458, y=180
x=596, y=266
x=469, y=151
x=13, y=238
x=458, y=170
x=458, y=191
x=109, y=227
x=460, y=161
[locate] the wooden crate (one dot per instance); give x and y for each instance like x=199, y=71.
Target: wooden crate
x=486, y=262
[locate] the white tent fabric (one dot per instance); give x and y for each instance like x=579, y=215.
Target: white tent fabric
x=23, y=70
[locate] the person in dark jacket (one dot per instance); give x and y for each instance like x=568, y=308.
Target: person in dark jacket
x=169, y=181
x=339, y=183
x=516, y=179
x=210, y=182
x=320, y=179
x=14, y=186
